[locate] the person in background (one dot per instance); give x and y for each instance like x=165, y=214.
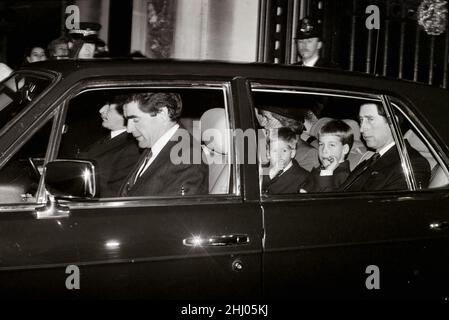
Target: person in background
x=35, y=54
x=309, y=45
x=59, y=48
x=84, y=42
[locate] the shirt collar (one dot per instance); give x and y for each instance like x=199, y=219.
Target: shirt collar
x=312, y=62
x=162, y=141
x=115, y=133
x=386, y=148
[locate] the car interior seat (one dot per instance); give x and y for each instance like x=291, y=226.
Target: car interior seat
x=358, y=149
x=191, y=125
x=215, y=141
x=437, y=178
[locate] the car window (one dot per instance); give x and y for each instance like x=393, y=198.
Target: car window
x=17, y=92
x=98, y=128
x=415, y=143
x=329, y=142
x=21, y=174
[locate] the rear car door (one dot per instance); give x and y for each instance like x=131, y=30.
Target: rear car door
x=132, y=247
x=383, y=244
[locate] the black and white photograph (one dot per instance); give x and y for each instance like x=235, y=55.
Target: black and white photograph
x=228, y=155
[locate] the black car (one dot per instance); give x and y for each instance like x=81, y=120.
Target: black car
x=236, y=241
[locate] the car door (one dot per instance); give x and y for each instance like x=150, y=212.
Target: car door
x=137, y=247
x=383, y=244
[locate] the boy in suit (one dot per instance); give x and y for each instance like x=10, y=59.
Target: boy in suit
x=284, y=172
x=335, y=143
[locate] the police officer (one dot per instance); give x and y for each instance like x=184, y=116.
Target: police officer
x=308, y=45
x=85, y=43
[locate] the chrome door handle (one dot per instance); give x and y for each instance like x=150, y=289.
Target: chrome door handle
x=217, y=241
x=439, y=225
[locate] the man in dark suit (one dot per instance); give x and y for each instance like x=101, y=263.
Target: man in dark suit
x=164, y=168
x=309, y=44
x=383, y=171
x=115, y=154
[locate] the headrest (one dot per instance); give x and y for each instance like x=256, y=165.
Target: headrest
x=315, y=129
x=417, y=144
x=215, y=130
x=355, y=128
x=5, y=71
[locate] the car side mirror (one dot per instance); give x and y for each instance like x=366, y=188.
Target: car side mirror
x=70, y=179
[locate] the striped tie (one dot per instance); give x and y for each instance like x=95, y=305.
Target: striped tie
x=132, y=180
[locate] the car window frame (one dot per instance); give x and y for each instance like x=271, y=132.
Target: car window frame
x=111, y=83
x=346, y=93
x=424, y=134
x=53, y=77
x=38, y=124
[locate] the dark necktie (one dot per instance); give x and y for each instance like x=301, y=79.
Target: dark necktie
x=146, y=156
x=106, y=139
x=359, y=170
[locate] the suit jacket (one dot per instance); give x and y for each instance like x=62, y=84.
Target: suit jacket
x=386, y=173
x=317, y=183
x=165, y=178
x=113, y=159
x=287, y=182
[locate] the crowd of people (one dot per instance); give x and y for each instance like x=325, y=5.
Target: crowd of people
x=82, y=43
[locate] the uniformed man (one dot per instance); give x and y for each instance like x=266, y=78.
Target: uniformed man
x=309, y=44
x=85, y=43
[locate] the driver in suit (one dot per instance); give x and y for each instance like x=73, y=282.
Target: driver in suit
x=153, y=121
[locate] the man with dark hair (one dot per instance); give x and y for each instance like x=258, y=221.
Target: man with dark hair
x=153, y=121
x=116, y=154
x=383, y=171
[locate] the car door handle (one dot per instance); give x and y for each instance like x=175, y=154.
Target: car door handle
x=216, y=241
x=439, y=225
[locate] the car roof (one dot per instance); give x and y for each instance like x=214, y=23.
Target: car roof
x=430, y=101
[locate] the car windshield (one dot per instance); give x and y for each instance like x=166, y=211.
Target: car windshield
x=17, y=92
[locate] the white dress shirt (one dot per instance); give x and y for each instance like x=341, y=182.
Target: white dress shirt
x=312, y=62
x=157, y=147
x=386, y=148
x=115, y=133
